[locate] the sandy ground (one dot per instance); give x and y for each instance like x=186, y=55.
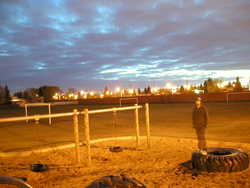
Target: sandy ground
x=158, y=167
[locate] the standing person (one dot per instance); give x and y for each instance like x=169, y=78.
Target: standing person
x=200, y=120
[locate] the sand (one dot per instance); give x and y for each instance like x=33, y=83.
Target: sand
x=158, y=167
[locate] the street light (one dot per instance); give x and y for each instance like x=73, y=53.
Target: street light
x=75, y=97
x=131, y=91
x=155, y=89
x=118, y=89
x=82, y=92
x=168, y=85
x=187, y=86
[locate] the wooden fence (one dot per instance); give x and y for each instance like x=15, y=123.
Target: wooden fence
x=86, y=113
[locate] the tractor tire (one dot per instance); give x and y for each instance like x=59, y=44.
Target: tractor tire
x=118, y=181
x=8, y=180
x=221, y=160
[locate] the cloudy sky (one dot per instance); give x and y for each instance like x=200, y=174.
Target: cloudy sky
x=89, y=43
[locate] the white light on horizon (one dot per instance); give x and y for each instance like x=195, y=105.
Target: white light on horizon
x=82, y=92
x=168, y=85
x=130, y=91
x=118, y=89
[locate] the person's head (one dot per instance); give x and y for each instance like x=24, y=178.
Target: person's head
x=198, y=102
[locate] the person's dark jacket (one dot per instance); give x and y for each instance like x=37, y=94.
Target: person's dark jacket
x=200, y=117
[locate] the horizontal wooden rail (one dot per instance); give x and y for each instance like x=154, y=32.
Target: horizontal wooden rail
x=34, y=117
x=37, y=117
x=114, y=109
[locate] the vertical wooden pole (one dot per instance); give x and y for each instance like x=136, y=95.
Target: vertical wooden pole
x=37, y=119
x=115, y=123
x=26, y=112
x=87, y=137
x=49, y=113
x=137, y=126
x=147, y=124
x=76, y=135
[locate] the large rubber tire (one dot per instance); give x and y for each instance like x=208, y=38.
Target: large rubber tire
x=7, y=180
x=221, y=160
x=118, y=181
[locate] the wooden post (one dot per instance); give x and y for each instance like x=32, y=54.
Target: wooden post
x=147, y=124
x=26, y=112
x=37, y=119
x=49, y=113
x=137, y=126
x=115, y=124
x=87, y=137
x=76, y=134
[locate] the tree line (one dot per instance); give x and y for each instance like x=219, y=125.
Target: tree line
x=42, y=94
x=212, y=86
x=5, y=97
x=46, y=93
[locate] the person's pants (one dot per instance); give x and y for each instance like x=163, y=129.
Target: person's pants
x=200, y=132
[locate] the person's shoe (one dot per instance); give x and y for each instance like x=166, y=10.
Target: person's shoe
x=203, y=152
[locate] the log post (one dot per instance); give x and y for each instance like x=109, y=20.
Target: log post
x=87, y=136
x=147, y=124
x=26, y=112
x=137, y=126
x=50, y=113
x=37, y=119
x=76, y=135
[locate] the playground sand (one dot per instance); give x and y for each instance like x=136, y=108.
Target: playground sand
x=157, y=167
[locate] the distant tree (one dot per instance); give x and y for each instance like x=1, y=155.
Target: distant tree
x=193, y=87
x=149, y=90
x=229, y=84
x=7, y=97
x=205, y=87
x=200, y=87
x=47, y=92
x=139, y=91
x=229, y=87
x=210, y=86
x=106, y=89
x=2, y=93
x=71, y=90
x=182, y=90
x=19, y=94
x=125, y=92
x=31, y=94
x=238, y=86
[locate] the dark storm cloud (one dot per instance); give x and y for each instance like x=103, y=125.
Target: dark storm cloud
x=92, y=43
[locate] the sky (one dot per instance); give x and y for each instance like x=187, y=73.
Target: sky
x=88, y=44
